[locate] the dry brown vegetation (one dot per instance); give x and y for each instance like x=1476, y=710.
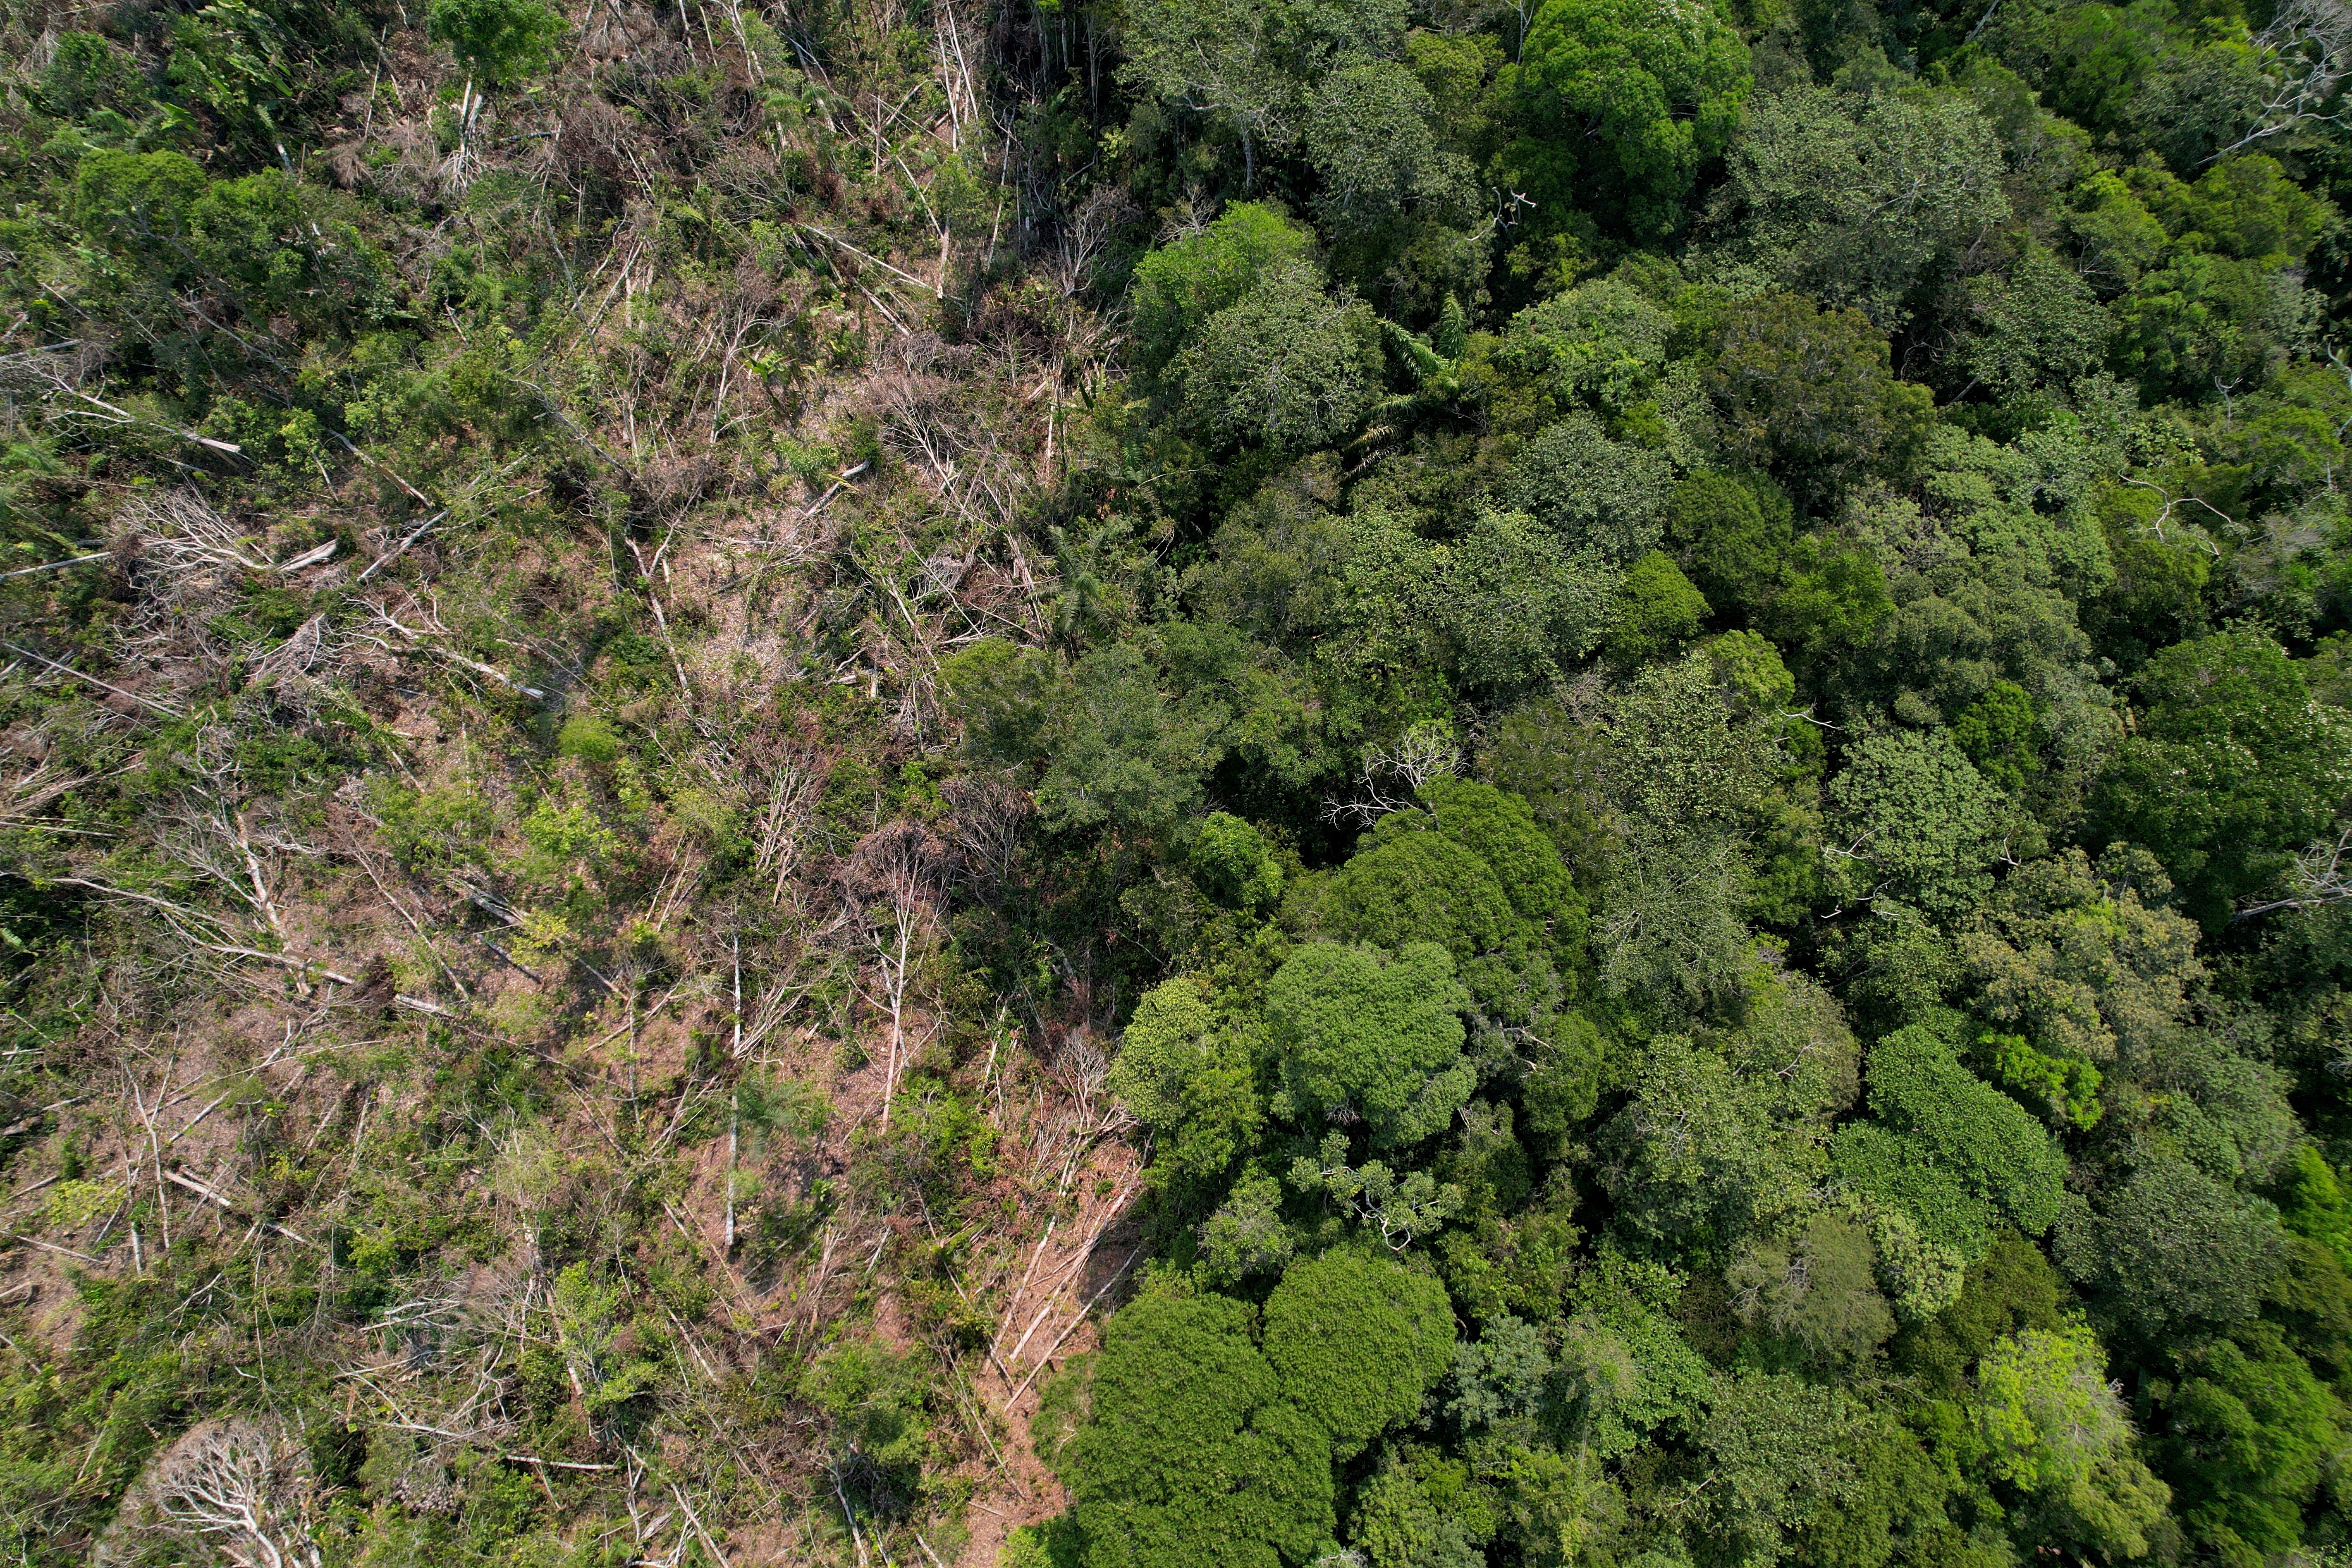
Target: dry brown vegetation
x=504, y=1065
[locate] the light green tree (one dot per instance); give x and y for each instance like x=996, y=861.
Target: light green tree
x=1247, y=1237
x=1288, y=366
x=1165, y=1045
x=1688, y=752
x=1356, y=1341
x=1500, y=828
x=497, y=41
x=1190, y=1452
x=1181, y=284
x=1379, y=1039
x=1818, y=1288
x=873, y=1400
x=1910, y=817
x=1602, y=344
x=1426, y=887
x=1516, y=608
x=1368, y=134
x=1181, y=1074
x=1657, y=611
x=1921, y=1278
x=2252, y=1435
x=2087, y=966
x=1421, y=1509
x=2054, y=1426
x=1597, y=493
x=1852, y=198
x=1233, y=864
x=1248, y=65
x=2046, y=1409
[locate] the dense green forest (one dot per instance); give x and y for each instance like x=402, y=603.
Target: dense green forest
x=1115, y=784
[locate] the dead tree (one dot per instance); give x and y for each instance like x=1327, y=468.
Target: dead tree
x=987, y=821
x=2320, y=874
x=796, y=780
x=1425, y=752
x=2305, y=60
x=237, y=1483
x=383, y=628
x=894, y=875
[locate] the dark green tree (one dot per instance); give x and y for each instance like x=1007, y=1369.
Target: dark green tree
x=2250, y=1435
x=1953, y=1132
x=1731, y=534
x=1808, y=394
x=2233, y=768
x=1121, y=756
x=2171, y=1248
x=1656, y=89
